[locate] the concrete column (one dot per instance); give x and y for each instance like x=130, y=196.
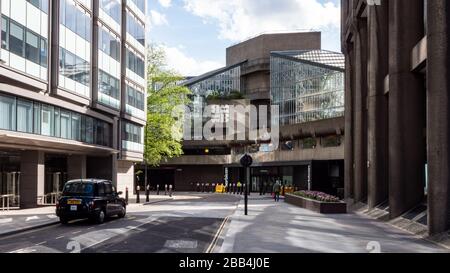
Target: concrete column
x=438, y=129
x=360, y=127
x=348, y=134
x=406, y=108
x=32, y=178
x=377, y=121
x=125, y=176
x=76, y=167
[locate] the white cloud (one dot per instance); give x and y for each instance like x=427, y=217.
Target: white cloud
x=239, y=20
x=156, y=19
x=165, y=3
x=178, y=61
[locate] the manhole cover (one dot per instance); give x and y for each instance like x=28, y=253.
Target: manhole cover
x=181, y=244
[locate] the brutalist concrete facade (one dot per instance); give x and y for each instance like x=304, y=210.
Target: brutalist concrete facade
x=303, y=155
x=396, y=120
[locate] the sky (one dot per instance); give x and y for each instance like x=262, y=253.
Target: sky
x=196, y=33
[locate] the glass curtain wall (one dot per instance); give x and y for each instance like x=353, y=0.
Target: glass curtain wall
x=37, y=118
x=307, y=89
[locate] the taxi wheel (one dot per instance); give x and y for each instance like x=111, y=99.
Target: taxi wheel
x=123, y=212
x=63, y=220
x=100, y=217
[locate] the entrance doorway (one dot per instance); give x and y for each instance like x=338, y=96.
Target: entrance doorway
x=9, y=179
x=55, y=177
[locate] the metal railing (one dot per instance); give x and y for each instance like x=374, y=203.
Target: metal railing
x=9, y=201
x=49, y=198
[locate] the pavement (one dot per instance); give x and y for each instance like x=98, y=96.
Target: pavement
x=283, y=228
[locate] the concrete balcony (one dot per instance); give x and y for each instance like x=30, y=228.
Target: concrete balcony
x=200, y=160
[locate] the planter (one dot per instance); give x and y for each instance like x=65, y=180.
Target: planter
x=316, y=206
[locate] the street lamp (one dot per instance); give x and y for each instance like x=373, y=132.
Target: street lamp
x=246, y=161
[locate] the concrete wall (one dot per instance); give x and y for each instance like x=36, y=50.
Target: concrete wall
x=125, y=176
x=261, y=46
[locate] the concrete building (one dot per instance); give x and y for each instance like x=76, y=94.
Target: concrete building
x=72, y=95
x=289, y=70
x=397, y=108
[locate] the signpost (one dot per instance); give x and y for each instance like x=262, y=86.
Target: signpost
x=246, y=161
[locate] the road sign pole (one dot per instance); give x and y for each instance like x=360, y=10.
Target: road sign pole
x=247, y=183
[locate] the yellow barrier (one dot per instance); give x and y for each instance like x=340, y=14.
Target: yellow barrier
x=220, y=189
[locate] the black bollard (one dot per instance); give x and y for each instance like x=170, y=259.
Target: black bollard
x=126, y=195
x=147, y=193
x=138, y=199
x=157, y=189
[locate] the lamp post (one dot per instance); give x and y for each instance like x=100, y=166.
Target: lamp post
x=246, y=161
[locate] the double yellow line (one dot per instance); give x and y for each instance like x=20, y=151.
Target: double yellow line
x=213, y=244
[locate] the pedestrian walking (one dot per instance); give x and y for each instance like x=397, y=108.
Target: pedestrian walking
x=165, y=189
x=239, y=186
x=170, y=190
x=276, y=191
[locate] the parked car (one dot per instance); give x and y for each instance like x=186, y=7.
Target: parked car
x=95, y=199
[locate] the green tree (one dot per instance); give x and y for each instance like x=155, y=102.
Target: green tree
x=163, y=133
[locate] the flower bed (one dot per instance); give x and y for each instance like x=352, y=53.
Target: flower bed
x=317, y=201
x=318, y=196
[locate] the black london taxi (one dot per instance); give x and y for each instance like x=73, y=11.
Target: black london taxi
x=94, y=199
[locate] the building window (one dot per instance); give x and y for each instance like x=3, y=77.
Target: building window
x=7, y=113
x=109, y=44
x=132, y=137
x=75, y=19
x=140, y=4
x=40, y=4
x=16, y=40
x=109, y=89
x=24, y=116
x=65, y=125
x=136, y=63
x=136, y=29
x=112, y=8
x=5, y=33
x=135, y=98
x=76, y=127
x=74, y=67
x=24, y=42
x=47, y=117
x=32, y=47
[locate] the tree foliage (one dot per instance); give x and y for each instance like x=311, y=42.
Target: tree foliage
x=163, y=133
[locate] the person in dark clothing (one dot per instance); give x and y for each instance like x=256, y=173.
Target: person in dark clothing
x=276, y=191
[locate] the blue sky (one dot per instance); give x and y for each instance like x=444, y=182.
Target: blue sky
x=195, y=33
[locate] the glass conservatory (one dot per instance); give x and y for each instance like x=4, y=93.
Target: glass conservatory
x=307, y=85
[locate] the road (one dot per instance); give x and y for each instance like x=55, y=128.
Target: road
x=185, y=226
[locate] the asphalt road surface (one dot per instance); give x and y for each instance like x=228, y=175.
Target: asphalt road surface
x=187, y=226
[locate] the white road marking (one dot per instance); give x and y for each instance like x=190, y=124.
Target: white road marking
x=181, y=244
x=7, y=220
x=24, y=250
x=94, y=238
x=32, y=218
x=76, y=232
x=52, y=216
x=41, y=243
x=60, y=237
